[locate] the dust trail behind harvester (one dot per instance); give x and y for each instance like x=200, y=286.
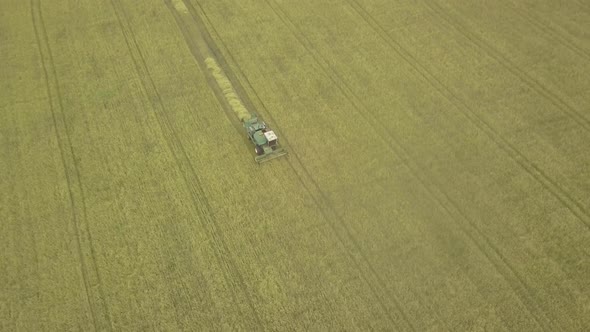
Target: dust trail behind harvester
x=222, y=86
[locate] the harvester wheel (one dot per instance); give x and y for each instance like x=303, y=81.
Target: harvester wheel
x=259, y=150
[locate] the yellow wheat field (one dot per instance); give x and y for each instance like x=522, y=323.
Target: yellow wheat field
x=438, y=174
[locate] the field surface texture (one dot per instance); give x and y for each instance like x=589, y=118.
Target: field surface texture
x=437, y=176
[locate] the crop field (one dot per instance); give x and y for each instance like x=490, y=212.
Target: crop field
x=437, y=175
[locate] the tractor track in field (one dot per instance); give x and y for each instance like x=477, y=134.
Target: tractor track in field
x=164, y=269
x=518, y=285
x=164, y=233
x=530, y=81
x=72, y=174
x=399, y=150
x=572, y=205
x=551, y=185
x=543, y=26
x=511, y=151
x=320, y=199
x=200, y=202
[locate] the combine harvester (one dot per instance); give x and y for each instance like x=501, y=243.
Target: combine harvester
x=266, y=142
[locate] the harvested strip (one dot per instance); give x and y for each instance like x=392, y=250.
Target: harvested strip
x=228, y=90
x=180, y=6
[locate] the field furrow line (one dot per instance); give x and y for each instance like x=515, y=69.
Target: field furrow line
x=223, y=255
x=439, y=196
x=323, y=200
x=551, y=185
x=304, y=176
x=530, y=81
x=97, y=306
x=543, y=26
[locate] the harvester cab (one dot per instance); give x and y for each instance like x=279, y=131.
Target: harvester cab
x=265, y=140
